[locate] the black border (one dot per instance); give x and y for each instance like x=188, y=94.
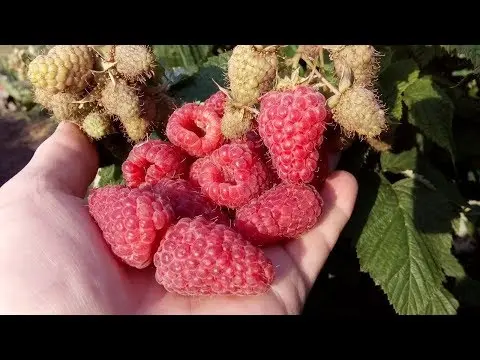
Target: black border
x=238, y=23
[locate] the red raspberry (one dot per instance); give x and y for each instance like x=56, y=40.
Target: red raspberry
x=196, y=129
x=283, y=212
x=231, y=176
x=291, y=124
x=132, y=221
x=153, y=160
x=217, y=102
x=187, y=202
x=200, y=257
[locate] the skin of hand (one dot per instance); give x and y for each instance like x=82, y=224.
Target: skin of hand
x=53, y=259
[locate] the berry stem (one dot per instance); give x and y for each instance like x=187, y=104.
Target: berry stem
x=322, y=60
x=320, y=76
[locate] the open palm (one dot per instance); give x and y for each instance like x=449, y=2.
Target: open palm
x=53, y=259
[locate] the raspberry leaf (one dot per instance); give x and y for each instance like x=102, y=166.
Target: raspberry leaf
x=393, y=82
x=442, y=303
x=471, y=52
x=412, y=161
x=405, y=247
x=431, y=110
x=110, y=175
x=186, y=56
x=202, y=85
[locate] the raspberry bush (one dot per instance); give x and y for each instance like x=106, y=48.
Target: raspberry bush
x=210, y=156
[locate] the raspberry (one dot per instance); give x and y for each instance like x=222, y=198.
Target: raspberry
x=132, y=221
x=311, y=51
x=97, y=125
x=134, y=62
x=186, y=200
x=119, y=99
x=283, y=212
x=152, y=160
x=43, y=97
x=199, y=257
x=195, y=128
x=122, y=100
x=64, y=107
x=63, y=68
x=361, y=59
x=217, y=102
x=255, y=143
x=231, y=176
x=251, y=73
x=358, y=111
x=291, y=124
x=236, y=122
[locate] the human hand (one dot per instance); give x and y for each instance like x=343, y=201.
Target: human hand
x=53, y=259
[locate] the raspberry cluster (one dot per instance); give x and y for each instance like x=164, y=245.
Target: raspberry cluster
x=102, y=89
x=200, y=207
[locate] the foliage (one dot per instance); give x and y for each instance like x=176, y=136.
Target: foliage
x=416, y=201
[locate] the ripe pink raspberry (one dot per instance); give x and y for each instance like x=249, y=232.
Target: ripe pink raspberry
x=231, y=176
x=196, y=129
x=153, y=160
x=186, y=200
x=200, y=257
x=283, y=212
x=217, y=102
x=132, y=221
x=255, y=143
x=291, y=124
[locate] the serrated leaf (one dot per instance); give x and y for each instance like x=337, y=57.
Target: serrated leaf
x=412, y=160
x=110, y=175
x=393, y=82
x=471, y=52
x=431, y=110
x=442, y=303
x=400, y=250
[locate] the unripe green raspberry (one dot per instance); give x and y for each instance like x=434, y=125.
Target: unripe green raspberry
x=359, y=111
x=134, y=62
x=361, y=59
x=43, y=97
x=64, y=107
x=63, y=68
x=251, y=73
x=97, y=125
x=236, y=121
x=137, y=128
x=120, y=99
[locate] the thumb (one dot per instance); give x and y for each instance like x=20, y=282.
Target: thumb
x=66, y=161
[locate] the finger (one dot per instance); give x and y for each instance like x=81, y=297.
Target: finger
x=66, y=161
x=311, y=251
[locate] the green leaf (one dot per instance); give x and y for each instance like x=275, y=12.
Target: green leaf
x=109, y=175
x=393, y=82
x=202, y=85
x=471, y=52
x=186, y=56
x=412, y=164
x=404, y=251
x=431, y=110
x=442, y=303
